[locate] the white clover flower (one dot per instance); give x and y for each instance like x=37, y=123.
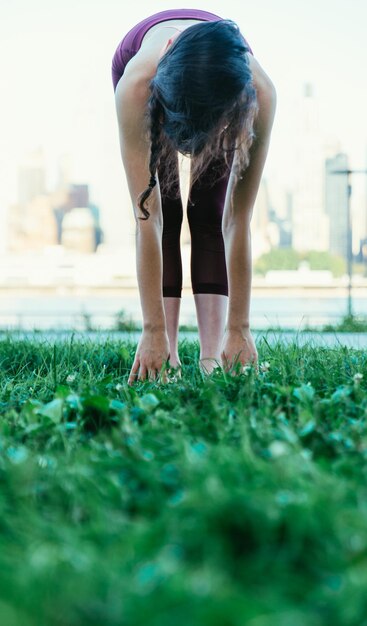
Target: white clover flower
x=246, y=369
x=278, y=448
x=118, y=387
x=172, y=379
x=71, y=378
x=264, y=367
x=357, y=377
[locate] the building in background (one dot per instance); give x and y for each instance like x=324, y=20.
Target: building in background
x=36, y=221
x=310, y=224
x=30, y=224
x=75, y=198
x=282, y=226
x=261, y=238
x=363, y=242
x=286, y=222
x=362, y=255
x=336, y=203
x=268, y=229
x=78, y=231
x=31, y=177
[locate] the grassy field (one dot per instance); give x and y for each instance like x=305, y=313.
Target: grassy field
x=217, y=501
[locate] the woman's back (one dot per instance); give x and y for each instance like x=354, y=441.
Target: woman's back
x=145, y=33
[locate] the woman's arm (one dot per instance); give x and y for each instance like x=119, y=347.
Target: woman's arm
x=238, y=344
x=153, y=349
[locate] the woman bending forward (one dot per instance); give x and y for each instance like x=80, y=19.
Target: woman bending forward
x=186, y=81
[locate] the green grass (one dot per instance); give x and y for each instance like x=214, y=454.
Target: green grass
x=217, y=501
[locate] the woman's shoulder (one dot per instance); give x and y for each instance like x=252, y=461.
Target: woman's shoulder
x=134, y=83
x=131, y=95
x=261, y=79
x=146, y=59
x=142, y=65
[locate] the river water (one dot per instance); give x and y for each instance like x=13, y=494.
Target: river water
x=79, y=313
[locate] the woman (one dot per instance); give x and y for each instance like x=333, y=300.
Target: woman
x=186, y=81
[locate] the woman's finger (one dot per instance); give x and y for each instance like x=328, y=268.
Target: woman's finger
x=165, y=372
x=142, y=372
x=224, y=362
x=133, y=372
x=152, y=374
x=164, y=376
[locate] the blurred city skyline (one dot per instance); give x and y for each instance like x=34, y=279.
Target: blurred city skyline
x=64, y=219
x=56, y=93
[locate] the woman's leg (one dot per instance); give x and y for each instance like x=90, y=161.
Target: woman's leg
x=172, y=265
x=211, y=311
x=172, y=311
x=208, y=265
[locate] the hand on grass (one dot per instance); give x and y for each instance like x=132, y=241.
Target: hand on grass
x=238, y=349
x=151, y=355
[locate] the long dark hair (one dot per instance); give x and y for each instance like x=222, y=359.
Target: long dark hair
x=203, y=84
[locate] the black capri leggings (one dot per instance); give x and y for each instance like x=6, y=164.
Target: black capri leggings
x=204, y=214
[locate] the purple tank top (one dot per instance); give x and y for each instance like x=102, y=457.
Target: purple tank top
x=131, y=43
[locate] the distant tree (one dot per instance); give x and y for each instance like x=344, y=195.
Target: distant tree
x=277, y=259
x=289, y=259
x=323, y=260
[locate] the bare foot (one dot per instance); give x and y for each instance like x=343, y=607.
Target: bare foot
x=207, y=365
x=175, y=369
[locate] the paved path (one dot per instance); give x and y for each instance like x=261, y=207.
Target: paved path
x=351, y=340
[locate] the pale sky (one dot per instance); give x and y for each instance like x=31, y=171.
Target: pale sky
x=56, y=89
